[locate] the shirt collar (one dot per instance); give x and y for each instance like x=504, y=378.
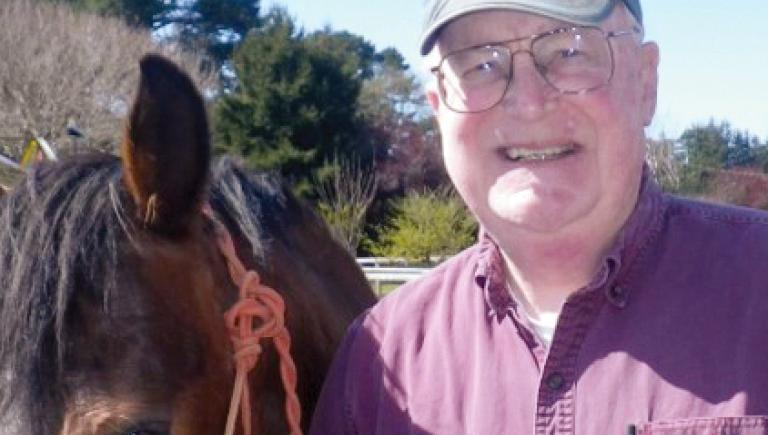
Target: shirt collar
x=490, y=277
x=642, y=225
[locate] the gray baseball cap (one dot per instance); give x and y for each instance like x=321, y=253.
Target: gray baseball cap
x=585, y=12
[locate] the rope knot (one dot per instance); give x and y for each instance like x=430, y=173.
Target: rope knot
x=247, y=353
x=259, y=313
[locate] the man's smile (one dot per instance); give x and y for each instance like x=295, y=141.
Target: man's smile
x=522, y=153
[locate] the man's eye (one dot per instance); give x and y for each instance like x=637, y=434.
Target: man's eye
x=482, y=70
x=571, y=53
x=483, y=67
x=569, y=58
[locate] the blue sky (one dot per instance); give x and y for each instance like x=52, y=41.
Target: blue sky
x=714, y=53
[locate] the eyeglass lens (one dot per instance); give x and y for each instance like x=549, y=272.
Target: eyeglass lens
x=571, y=60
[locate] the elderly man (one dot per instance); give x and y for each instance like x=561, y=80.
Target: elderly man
x=593, y=303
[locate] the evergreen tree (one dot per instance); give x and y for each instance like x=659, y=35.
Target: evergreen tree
x=740, y=151
x=761, y=156
x=295, y=104
x=707, y=148
x=354, y=54
x=218, y=25
x=390, y=58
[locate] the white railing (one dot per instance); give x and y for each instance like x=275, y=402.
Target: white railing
x=378, y=272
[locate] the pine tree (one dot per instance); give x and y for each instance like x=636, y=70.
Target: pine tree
x=215, y=24
x=295, y=104
x=707, y=148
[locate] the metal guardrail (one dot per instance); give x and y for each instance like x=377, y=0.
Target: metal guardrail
x=377, y=271
x=394, y=274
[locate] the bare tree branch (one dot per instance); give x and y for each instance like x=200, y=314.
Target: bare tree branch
x=344, y=198
x=62, y=68
x=660, y=157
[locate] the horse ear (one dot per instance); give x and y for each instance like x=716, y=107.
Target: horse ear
x=166, y=150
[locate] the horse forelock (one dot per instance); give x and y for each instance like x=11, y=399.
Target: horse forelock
x=60, y=226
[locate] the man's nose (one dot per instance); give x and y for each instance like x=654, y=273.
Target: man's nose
x=528, y=95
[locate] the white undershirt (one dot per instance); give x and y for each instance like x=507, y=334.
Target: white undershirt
x=544, y=326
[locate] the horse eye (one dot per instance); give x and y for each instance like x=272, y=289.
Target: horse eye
x=148, y=429
x=146, y=432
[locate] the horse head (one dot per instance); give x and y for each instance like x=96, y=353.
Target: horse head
x=114, y=288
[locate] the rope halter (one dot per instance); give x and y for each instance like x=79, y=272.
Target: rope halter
x=258, y=313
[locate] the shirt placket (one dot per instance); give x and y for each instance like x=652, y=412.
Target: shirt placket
x=555, y=401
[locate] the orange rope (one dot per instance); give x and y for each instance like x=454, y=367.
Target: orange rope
x=257, y=302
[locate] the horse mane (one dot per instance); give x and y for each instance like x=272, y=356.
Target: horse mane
x=59, y=227
x=62, y=230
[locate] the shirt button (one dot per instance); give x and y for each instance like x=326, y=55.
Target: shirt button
x=555, y=381
x=618, y=296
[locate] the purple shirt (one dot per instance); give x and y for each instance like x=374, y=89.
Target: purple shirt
x=670, y=337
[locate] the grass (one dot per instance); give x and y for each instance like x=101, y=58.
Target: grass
x=385, y=287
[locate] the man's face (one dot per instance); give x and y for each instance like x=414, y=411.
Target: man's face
x=586, y=151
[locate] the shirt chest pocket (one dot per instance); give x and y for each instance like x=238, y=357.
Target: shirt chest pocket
x=747, y=425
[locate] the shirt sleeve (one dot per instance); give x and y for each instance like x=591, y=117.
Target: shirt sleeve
x=334, y=413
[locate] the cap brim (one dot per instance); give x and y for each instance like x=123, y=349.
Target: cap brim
x=583, y=12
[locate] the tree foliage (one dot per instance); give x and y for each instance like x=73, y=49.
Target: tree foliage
x=707, y=145
x=741, y=150
x=64, y=68
x=400, y=132
x=295, y=105
x=353, y=53
x=425, y=225
x=217, y=25
x=717, y=146
x=707, y=149
x=392, y=59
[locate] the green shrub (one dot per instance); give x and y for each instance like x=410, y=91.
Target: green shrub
x=425, y=225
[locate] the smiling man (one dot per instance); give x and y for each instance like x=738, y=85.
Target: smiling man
x=593, y=303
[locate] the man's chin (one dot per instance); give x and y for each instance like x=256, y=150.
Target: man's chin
x=547, y=225
x=539, y=217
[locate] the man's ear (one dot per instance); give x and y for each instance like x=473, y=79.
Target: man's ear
x=650, y=79
x=433, y=96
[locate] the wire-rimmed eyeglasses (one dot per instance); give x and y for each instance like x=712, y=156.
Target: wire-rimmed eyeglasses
x=572, y=60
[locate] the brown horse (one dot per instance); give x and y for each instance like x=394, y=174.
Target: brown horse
x=112, y=289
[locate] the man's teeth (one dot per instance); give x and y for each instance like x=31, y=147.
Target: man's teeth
x=518, y=154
